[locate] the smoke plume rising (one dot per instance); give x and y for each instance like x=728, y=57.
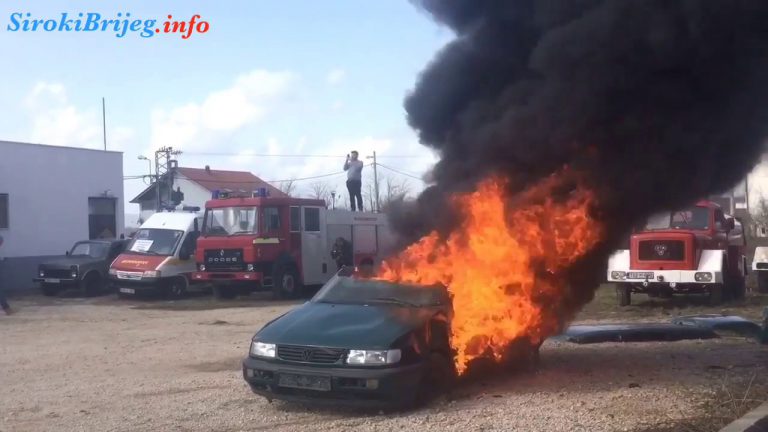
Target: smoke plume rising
x=656, y=103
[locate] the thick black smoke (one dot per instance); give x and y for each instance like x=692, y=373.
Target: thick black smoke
x=659, y=102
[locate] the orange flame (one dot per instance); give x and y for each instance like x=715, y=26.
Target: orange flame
x=501, y=264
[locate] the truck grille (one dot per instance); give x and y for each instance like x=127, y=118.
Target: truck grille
x=224, y=260
x=661, y=250
x=305, y=354
x=58, y=273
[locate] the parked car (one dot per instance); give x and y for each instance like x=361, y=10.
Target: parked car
x=358, y=340
x=85, y=267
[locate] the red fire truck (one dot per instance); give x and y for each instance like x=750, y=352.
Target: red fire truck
x=257, y=242
x=699, y=249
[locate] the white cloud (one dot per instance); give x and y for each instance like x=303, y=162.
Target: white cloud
x=195, y=125
x=336, y=76
x=56, y=121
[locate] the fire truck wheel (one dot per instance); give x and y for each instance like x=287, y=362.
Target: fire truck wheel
x=623, y=294
x=176, y=288
x=286, y=283
x=715, y=294
x=224, y=292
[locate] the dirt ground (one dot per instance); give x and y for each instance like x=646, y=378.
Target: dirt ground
x=103, y=364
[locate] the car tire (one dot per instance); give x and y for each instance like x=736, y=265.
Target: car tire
x=176, y=288
x=715, y=297
x=623, y=294
x=439, y=377
x=50, y=290
x=285, y=283
x=224, y=292
x=762, y=282
x=92, y=285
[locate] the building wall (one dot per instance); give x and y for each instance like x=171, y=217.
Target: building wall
x=194, y=196
x=48, y=188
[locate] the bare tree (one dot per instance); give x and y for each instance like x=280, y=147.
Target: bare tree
x=760, y=217
x=321, y=190
x=288, y=187
x=390, y=189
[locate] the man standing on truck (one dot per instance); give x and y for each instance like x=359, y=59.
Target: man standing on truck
x=354, y=168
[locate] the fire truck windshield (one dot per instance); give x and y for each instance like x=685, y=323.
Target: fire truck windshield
x=228, y=221
x=694, y=218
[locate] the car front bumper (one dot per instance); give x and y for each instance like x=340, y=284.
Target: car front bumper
x=665, y=276
x=134, y=287
x=214, y=276
x=380, y=387
x=57, y=281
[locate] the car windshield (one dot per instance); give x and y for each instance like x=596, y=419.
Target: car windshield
x=91, y=249
x=351, y=290
x=231, y=221
x=694, y=218
x=154, y=241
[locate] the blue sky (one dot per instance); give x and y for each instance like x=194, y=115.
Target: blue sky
x=275, y=77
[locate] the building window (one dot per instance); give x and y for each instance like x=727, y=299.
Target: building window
x=311, y=219
x=4, y=219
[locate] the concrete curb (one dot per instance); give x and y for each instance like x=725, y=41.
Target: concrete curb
x=753, y=421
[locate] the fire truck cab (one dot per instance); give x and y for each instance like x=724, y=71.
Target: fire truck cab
x=699, y=249
x=258, y=242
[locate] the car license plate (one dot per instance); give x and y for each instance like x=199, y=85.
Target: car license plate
x=128, y=290
x=312, y=382
x=640, y=275
x=52, y=280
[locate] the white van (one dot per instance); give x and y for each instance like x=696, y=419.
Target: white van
x=160, y=257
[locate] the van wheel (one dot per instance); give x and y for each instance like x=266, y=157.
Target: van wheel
x=176, y=289
x=715, y=294
x=623, y=294
x=92, y=285
x=50, y=290
x=285, y=283
x=224, y=292
x=762, y=282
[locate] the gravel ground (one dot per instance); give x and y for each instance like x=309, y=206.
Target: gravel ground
x=108, y=365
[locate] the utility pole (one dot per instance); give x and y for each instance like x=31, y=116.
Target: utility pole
x=375, y=182
x=104, y=121
x=165, y=167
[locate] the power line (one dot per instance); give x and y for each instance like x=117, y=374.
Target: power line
x=401, y=173
x=294, y=155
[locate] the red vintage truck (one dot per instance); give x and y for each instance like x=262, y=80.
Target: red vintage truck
x=253, y=242
x=699, y=249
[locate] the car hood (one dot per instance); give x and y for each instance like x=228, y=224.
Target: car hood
x=68, y=261
x=344, y=326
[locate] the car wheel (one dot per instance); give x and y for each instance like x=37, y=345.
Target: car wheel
x=623, y=294
x=92, y=285
x=762, y=282
x=715, y=294
x=177, y=288
x=50, y=290
x=224, y=292
x=439, y=377
x=285, y=283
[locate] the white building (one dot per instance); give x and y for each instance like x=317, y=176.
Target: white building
x=51, y=197
x=197, y=185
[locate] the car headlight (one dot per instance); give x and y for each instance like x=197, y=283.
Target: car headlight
x=73, y=271
x=113, y=272
x=261, y=349
x=373, y=357
x=152, y=274
x=703, y=277
x=41, y=273
x=249, y=267
x=201, y=267
x=618, y=275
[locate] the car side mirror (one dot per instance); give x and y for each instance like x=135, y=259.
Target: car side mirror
x=730, y=224
x=66, y=253
x=185, y=254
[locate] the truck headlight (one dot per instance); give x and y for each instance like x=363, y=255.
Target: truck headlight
x=73, y=271
x=373, y=357
x=249, y=267
x=151, y=274
x=703, y=277
x=261, y=349
x=41, y=273
x=201, y=267
x=618, y=275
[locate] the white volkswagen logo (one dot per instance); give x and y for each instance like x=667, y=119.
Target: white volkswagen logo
x=660, y=249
